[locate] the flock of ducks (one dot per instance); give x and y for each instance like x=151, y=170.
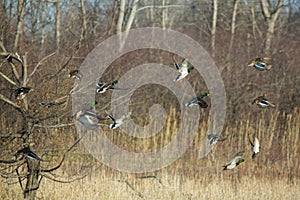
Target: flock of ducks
x=260, y=64
x=89, y=119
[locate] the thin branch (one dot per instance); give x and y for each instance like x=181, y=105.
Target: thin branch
x=8, y=79
x=54, y=125
x=64, y=156
x=8, y=161
x=63, y=66
x=40, y=63
x=20, y=181
x=63, y=181
x=24, y=70
x=123, y=180
x=6, y=100
x=167, y=6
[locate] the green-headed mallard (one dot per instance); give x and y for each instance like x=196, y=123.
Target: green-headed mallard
x=20, y=93
x=260, y=64
x=237, y=159
x=117, y=122
x=198, y=101
x=27, y=153
x=262, y=102
x=255, y=147
x=75, y=74
x=184, y=69
x=87, y=118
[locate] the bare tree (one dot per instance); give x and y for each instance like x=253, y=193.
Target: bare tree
x=131, y=15
x=26, y=166
x=214, y=27
x=20, y=26
x=121, y=16
x=163, y=14
x=84, y=18
x=57, y=25
x=114, y=17
x=233, y=22
x=271, y=14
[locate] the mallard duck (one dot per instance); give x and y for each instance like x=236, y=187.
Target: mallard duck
x=20, y=93
x=87, y=118
x=103, y=87
x=237, y=159
x=213, y=139
x=42, y=103
x=117, y=122
x=260, y=64
x=75, y=74
x=184, y=69
x=255, y=147
x=28, y=153
x=263, y=102
x=198, y=101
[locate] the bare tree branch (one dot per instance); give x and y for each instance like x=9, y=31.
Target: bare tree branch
x=40, y=63
x=6, y=100
x=63, y=158
x=63, y=181
x=8, y=79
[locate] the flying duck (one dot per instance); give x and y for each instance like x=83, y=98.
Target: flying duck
x=237, y=159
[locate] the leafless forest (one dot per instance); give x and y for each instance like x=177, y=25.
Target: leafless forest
x=42, y=41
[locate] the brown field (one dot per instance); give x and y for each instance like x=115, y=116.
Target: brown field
x=224, y=186
x=273, y=174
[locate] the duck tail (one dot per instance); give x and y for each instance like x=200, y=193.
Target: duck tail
x=173, y=58
x=253, y=155
x=271, y=105
x=268, y=67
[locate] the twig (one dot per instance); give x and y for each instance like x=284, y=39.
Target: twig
x=123, y=180
x=20, y=181
x=63, y=181
x=64, y=156
x=40, y=63
x=8, y=79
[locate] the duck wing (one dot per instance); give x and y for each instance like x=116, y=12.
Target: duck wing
x=201, y=102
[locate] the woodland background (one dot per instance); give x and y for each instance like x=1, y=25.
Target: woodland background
x=52, y=37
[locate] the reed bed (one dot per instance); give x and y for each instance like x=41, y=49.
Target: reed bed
x=273, y=174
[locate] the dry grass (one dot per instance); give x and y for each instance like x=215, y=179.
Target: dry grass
x=171, y=187
x=274, y=174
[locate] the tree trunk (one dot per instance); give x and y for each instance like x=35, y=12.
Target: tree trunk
x=32, y=179
x=235, y=6
x=129, y=21
x=132, y=15
x=57, y=25
x=84, y=19
x=214, y=27
x=271, y=17
x=43, y=21
x=121, y=16
x=20, y=25
x=163, y=14
x=114, y=18
x=4, y=20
